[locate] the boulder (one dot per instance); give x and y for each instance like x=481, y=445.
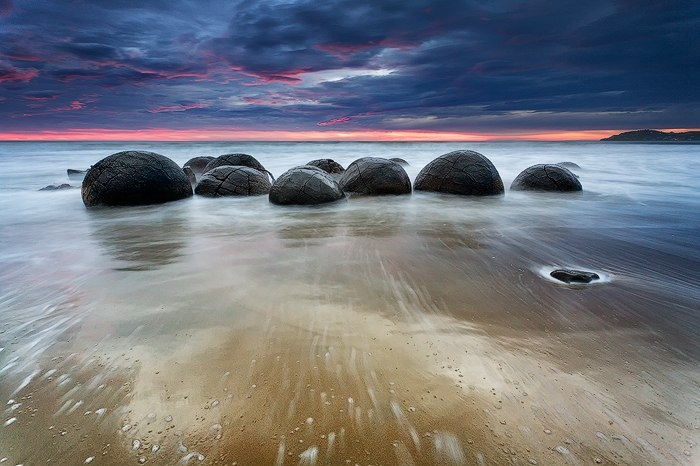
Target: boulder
x=462, y=172
x=305, y=186
x=375, y=176
x=328, y=166
x=134, y=178
x=399, y=161
x=546, y=177
x=574, y=276
x=233, y=181
x=243, y=160
x=198, y=164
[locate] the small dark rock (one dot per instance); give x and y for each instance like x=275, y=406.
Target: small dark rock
x=198, y=164
x=328, y=166
x=400, y=161
x=305, y=186
x=56, y=187
x=464, y=172
x=548, y=177
x=233, y=181
x=134, y=178
x=375, y=176
x=190, y=175
x=574, y=276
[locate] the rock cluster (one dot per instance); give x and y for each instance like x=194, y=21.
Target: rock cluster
x=138, y=177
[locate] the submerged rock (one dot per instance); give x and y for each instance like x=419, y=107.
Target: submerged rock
x=574, y=276
x=56, y=187
x=462, y=172
x=546, y=177
x=305, y=186
x=400, y=161
x=134, y=178
x=569, y=165
x=328, y=166
x=74, y=174
x=233, y=181
x=198, y=164
x=375, y=176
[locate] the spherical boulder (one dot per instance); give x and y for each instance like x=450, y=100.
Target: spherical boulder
x=546, y=177
x=375, y=176
x=464, y=172
x=233, y=181
x=243, y=160
x=328, y=166
x=134, y=178
x=305, y=186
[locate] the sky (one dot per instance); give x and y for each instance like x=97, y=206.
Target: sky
x=347, y=69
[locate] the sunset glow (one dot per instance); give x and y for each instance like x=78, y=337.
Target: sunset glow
x=239, y=135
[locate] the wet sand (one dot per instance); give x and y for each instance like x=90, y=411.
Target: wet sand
x=391, y=345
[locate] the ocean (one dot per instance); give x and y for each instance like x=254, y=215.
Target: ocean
x=419, y=329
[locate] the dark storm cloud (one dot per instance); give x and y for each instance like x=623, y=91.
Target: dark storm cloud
x=445, y=64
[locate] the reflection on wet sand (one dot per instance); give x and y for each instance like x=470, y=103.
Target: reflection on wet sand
x=142, y=239
x=383, y=345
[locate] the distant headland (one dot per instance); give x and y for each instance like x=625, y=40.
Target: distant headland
x=652, y=135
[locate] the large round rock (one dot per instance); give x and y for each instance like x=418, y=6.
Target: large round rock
x=134, y=178
x=328, y=166
x=305, y=186
x=233, y=181
x=546, y=177
x=243, y=160
x=375, y=176
x=462, y=172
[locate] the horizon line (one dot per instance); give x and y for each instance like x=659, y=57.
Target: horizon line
x=238, y=135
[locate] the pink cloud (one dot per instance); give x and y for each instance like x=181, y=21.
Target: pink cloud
x=9, y=74
x=334, y=121
x=75, y=105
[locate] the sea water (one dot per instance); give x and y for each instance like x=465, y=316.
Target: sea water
x=419, y=329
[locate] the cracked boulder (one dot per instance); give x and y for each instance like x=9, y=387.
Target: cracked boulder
x=243, y=160
x=305, y=186
x=546, y=177
x=375, y=176
x=197, y=165
x=400, y=161
x=134, y=178
x=328, y=166
x=233, y=181
x=463, y=172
